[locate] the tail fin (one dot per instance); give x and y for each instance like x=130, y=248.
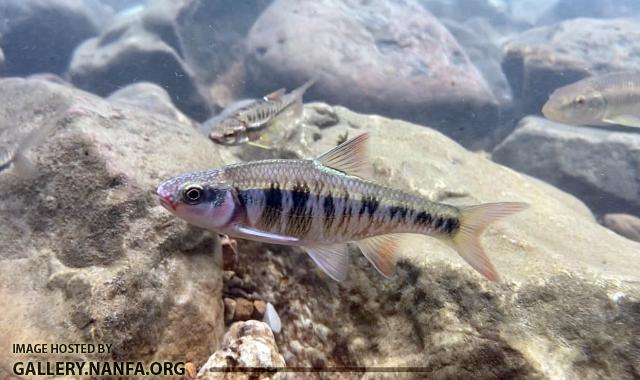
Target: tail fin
x=474, y=220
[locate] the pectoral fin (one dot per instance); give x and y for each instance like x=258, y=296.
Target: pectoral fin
x=332, y=259
x=626, y=120
x=381, y=251
x=265, y=236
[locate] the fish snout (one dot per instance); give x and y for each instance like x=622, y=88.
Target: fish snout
x=166, y=198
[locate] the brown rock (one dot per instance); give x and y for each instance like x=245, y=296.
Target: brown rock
x=229, y=253
x=385, y=57
x=259, y=308
x=244, y=309
x=623, y=224
x=229, y=309
x=87, y=254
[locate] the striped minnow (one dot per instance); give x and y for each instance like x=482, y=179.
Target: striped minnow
x=323, y=203
x=243, y=124
x=599, y=100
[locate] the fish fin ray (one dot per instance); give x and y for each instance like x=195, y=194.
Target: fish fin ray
x=332, y=259
x=474, y=220
x=381, y=251
x=350, y=157
x=626, y=120
x=276, y=95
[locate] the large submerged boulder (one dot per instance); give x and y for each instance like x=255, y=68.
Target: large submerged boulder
x=599, y=166
x=86, y=253
x=542, y=59
x=40, y=35
x=390, y=58
x=213, y=32
x=567, y=306
x=139, y=48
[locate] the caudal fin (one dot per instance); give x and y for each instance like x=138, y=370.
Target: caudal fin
x=474, y=220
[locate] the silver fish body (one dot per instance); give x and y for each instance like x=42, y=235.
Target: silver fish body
x=599, y=100
x=324, y=203
x=243, y=124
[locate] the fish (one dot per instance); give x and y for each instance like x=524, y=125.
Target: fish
x=244, y=122
x=324, y=204
x=597, y=101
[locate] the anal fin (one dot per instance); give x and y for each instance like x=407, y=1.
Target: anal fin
x=332, y=259
x=381, y=251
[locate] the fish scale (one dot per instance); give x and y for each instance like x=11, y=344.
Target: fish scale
x=300, y=181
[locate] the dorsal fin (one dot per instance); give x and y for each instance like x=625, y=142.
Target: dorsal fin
x=276, y=95
x=350, y=157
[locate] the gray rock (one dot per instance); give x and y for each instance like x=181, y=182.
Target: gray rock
x=246, y=344
x=542, y=59
x=623, y=224
x=149, y=97
x=599, y=166
x=40, y=35
x=481, y=42
x=567, y=307
x=137, y=49
x=569, y=9
x=86, y=253
x=212, y=34
x=390, y=58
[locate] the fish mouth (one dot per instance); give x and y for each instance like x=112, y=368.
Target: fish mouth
x=167, y=203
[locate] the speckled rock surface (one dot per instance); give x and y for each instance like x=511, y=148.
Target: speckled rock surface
x=246, y=344
x=542, y=59
x=137, y=49
x=390, y=58
x=33, y=40
x=600, y=166
x=567, y=306
x=86, y=252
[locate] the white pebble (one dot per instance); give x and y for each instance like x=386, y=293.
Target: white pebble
x=272, y=319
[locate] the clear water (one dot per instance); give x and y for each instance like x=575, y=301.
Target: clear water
x=101, y=101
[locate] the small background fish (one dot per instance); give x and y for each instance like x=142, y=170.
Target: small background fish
x=246, y=121
x=608, y=99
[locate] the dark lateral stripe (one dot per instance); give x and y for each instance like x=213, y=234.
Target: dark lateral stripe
x=368, y=204
x=329, y=212
x=398, y=210
x=300, y=218
x=423, y=218
x=451, y=225
x=272, y=210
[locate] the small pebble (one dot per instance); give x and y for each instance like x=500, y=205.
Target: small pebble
x=229, y=310
x=244, y=309
x=272, y=318
x=259, y=308
x=190, y=371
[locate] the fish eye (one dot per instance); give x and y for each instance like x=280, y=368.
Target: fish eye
x=581, y=99
x=193, y=194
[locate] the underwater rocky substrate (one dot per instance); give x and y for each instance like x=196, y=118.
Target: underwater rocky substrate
x=99, y=260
